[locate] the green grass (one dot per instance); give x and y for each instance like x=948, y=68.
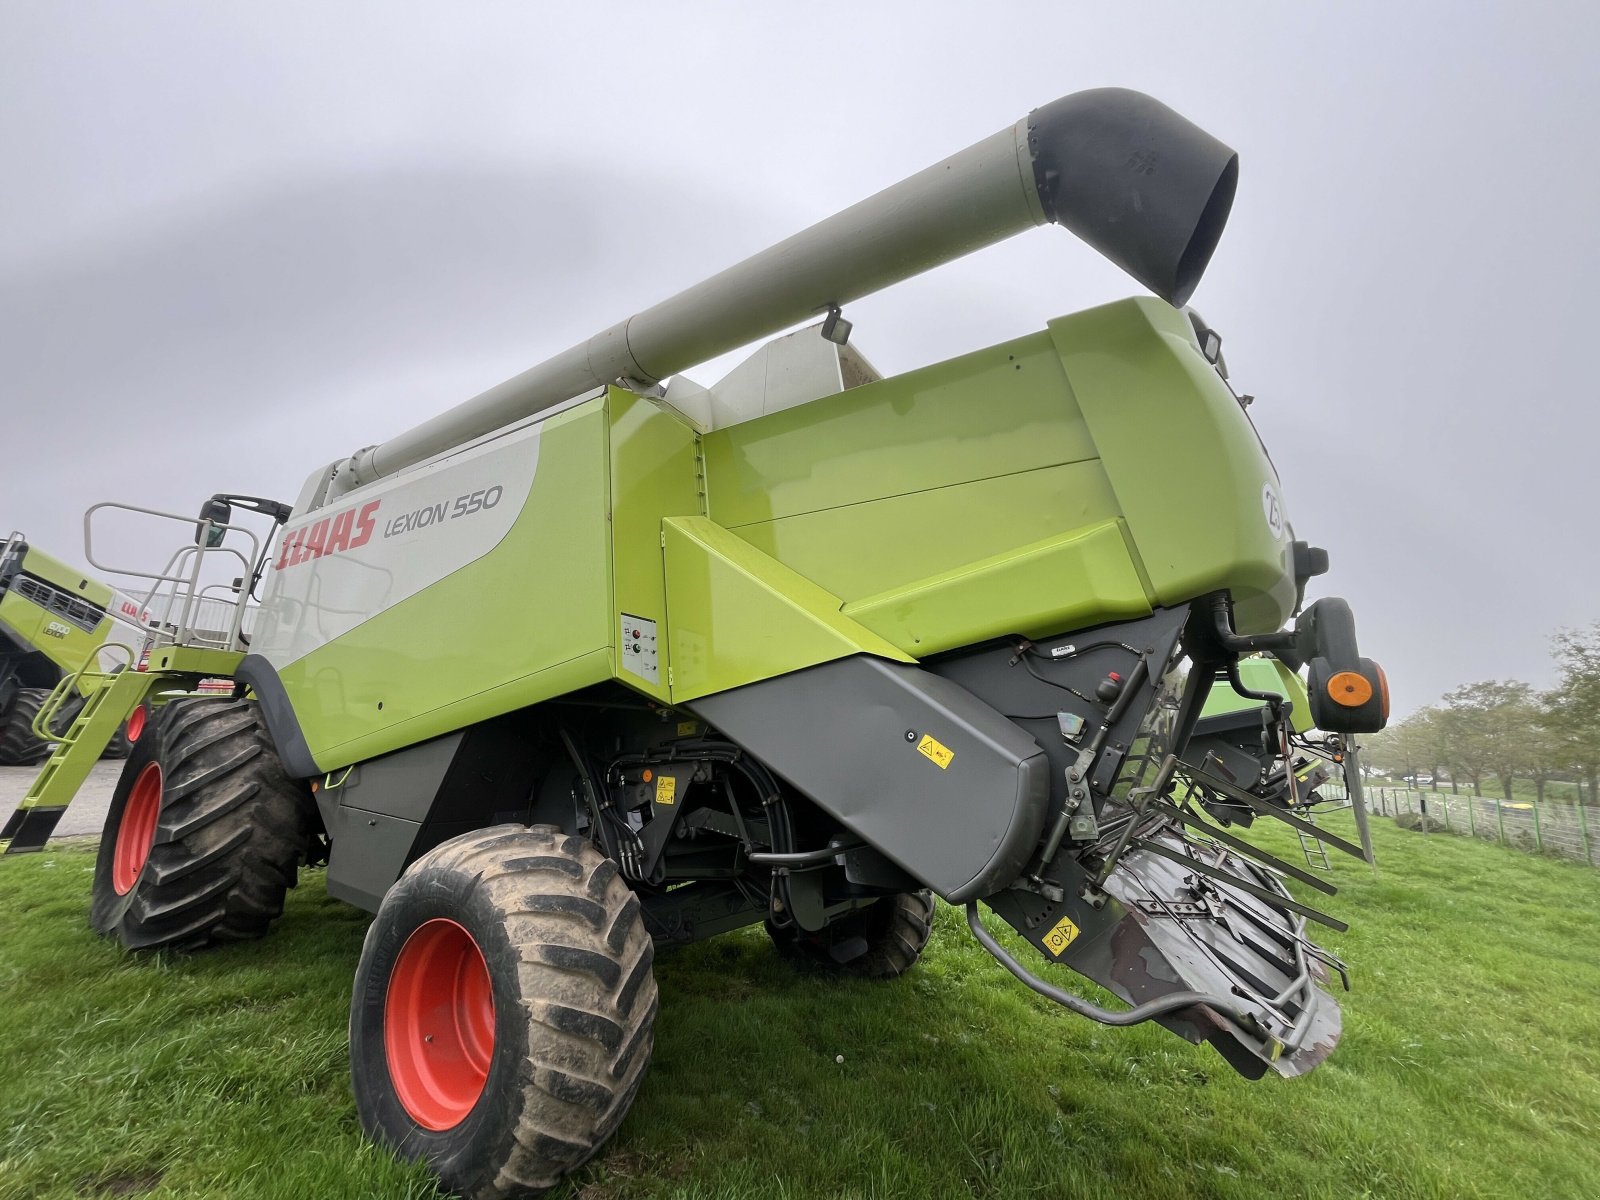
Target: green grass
x=1470, y=1065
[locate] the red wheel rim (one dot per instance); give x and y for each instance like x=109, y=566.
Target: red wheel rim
x=137, y=832
x=438, y=1024
x=136, y=721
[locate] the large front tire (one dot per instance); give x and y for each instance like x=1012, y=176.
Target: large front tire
x=502, y=1014
x=205, y=833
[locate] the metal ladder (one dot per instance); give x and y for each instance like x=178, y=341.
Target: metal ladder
x=109, y=699
x=1315, y=850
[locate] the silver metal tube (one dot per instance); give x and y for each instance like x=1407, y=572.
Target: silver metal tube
x=1134, y=179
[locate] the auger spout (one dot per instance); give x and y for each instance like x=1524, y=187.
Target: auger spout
x=1142, y=185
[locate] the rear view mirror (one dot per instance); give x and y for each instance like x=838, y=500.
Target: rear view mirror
x=219, y=513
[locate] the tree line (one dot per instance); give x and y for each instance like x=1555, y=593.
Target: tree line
x=1507, y=730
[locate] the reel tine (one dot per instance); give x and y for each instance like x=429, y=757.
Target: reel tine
x=1245, y=848
x=1262, y=808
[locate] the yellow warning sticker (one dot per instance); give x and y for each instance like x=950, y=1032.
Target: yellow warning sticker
x=935, y=751
x=666, y=789
x=687, y=728
x=1062, y=936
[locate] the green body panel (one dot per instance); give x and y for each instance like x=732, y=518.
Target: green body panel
x=203, y=661
x=526, y=622
x=981, y=496
x=1031, y=488
x=890, y=484
x=1262, y=675
x=66, y=577
x=654, y=474
x=1065, y=582
x=1184, y=462
x=736, y=616
x=904, y=539
x=27, y=625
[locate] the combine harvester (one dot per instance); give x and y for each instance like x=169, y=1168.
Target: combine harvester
x=602, y=660
x=53, y=620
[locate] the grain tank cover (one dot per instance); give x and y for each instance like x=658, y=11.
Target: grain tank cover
x=1141, y=184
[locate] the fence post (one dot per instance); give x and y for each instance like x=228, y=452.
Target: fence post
x=1583, y=831
x=1538, y=839
x=1500, y=821
x=1472, y=824
x=1447, y=814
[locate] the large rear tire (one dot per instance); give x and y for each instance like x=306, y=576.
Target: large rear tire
x=882, y=941
x=19, y=747
x=502, y=1014
x=205, y=833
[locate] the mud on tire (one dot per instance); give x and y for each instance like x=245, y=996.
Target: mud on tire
x=506, y=1095
x=879, y=942
x=205, y=833
x=18, y=745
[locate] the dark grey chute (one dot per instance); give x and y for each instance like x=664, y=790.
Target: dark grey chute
x=846, y=734
x=1145, y=187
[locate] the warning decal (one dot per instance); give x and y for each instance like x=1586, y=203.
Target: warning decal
x=1061, y=936
x=666, y=789
x=935, y=751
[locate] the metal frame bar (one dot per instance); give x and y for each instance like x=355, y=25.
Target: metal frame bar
x=182, y=572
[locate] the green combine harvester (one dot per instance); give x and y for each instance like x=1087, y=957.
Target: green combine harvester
x=53, y=620
x=604, y=661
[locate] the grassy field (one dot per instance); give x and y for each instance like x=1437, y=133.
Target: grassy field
x=1470, y=1064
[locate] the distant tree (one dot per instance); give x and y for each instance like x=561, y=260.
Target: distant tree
x=1546, y=751
x=1487, y=730
x=1407, y=748
x=1572, y=711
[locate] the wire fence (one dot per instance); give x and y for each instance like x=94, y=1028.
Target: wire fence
x=1561, y=828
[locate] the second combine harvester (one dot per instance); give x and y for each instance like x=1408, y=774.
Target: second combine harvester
x=595, y=663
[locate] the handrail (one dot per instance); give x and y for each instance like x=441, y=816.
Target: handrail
x=182, y=572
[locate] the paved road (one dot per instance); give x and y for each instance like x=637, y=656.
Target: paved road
x=87, y=815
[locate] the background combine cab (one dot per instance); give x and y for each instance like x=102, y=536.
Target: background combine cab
x=53, y=622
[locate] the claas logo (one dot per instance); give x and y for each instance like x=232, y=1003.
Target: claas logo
x=329, y=535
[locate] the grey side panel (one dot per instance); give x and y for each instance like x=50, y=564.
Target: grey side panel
x=374, y=814
x=846, y=734
x=258, y=674
x=367, y=857
x=400, y=784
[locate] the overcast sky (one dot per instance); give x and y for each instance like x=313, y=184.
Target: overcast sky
x=238, y=241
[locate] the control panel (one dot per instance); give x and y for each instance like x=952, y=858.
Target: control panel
x=637, y=649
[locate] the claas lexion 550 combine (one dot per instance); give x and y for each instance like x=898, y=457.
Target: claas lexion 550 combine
x=603, y=660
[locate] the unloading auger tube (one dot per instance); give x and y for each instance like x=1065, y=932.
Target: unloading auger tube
x=1145, y=187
